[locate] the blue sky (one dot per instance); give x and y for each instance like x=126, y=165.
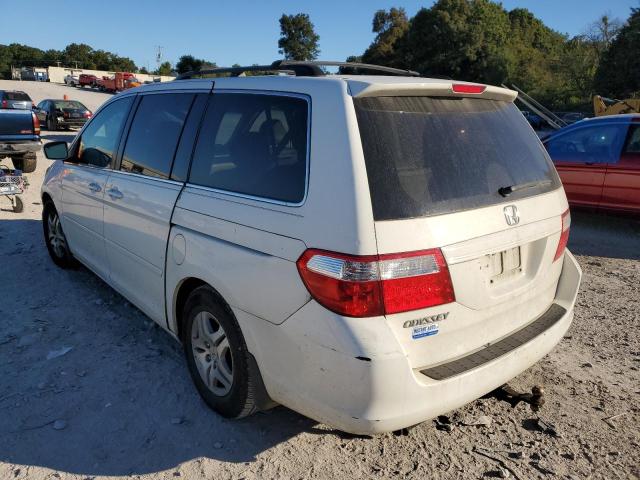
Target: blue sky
x=230, y=32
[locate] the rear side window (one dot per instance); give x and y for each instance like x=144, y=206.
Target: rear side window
x=633, y=141
x=18, y=96
x=154, y=134
x=253, y=144
x=435, y=155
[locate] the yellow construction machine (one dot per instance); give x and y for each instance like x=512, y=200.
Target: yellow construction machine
x=606, y=106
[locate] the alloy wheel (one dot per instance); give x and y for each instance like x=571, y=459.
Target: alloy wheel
x=212, y=353
x=56, y=236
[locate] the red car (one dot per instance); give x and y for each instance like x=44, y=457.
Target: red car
x=87, y=79
x=598, y=161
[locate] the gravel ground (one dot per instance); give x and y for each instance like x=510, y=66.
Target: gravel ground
x=89, y=387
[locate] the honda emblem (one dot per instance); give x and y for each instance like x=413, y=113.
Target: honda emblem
x=511, y=215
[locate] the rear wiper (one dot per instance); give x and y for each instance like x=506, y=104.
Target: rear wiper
x=506, y=191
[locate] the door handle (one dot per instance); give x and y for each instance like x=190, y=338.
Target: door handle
x=114, y=193
x=94, y=187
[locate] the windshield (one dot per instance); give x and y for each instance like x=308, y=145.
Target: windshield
x=434, y=155
x=69, y=104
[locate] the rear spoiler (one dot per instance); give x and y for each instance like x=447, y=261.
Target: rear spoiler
x=360, y=89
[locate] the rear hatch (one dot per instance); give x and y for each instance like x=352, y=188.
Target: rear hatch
x=16, y=125
x=16, y=100
x=464, y=175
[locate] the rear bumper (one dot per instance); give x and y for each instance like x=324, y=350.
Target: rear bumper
x=18, y=148
x=72, y=122
x=383, y=393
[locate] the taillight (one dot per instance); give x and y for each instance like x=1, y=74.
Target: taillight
x=467, y=88
x=36, y=124
x=564, y=235
x=367, y=286
x=87, y=114
x=5, y=104
x=65, y=114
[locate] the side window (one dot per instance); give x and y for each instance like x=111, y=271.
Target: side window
x=597, y=144
x=253, y=144
x=154, y=134
x=100, y=138
x=633, y=140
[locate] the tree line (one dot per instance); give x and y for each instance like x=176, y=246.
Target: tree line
x=75, y=54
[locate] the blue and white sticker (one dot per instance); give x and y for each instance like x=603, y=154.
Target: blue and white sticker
x=424, y=331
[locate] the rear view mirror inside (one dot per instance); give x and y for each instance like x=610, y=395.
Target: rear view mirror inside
x=56, y=150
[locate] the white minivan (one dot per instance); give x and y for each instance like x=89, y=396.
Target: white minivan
x=370, y=248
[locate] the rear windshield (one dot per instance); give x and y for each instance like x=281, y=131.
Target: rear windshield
x=69, y=104
x=434, y=155
x=20, y=96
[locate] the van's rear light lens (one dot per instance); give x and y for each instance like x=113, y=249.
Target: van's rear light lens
x=465, y=88
x=36, y=124
x=564, y=235
x=367, y=286
x=5, y=104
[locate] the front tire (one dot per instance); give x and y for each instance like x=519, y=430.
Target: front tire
x=217, y=355
x=55, y=238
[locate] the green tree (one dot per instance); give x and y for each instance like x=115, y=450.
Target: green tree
x=188, y=63
x=164, y=69
x=618, y=74
x=298, y=39
x=463, y=39
x=390, y=27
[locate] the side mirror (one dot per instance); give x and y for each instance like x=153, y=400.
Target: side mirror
x=56, y=150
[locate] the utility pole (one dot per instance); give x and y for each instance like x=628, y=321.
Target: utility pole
x=159, y=55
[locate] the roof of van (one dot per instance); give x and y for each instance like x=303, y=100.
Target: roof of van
x=357, y=85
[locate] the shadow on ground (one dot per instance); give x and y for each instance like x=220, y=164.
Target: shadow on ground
x=117, y=400
x=604, y=235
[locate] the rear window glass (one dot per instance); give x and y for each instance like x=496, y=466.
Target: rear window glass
x=72, y=104
x=435, y=155
x=20, y=96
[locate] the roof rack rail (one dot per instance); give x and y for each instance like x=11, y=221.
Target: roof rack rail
x=301, y=69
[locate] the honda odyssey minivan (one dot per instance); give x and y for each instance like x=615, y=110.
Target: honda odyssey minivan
x=370, y=250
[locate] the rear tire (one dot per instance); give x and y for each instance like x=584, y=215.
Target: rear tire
x=55, y=238
x=27, y=162
x=217, y=355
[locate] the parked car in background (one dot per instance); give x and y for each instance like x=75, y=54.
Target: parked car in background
x=119, y=82
x=20, y=138
x=397, y=281
x=536, y=121
x=15, y=99
x=572, y=117
x=56, y=114
x=598, y=160
x=72, y=80
x=87, y=80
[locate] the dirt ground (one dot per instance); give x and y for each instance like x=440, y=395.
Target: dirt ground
x=89, y=387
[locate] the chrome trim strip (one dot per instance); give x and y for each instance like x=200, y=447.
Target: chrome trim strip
x=308, y=159
x=146, y=177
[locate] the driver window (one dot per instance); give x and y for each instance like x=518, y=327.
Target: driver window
x=100, y=139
